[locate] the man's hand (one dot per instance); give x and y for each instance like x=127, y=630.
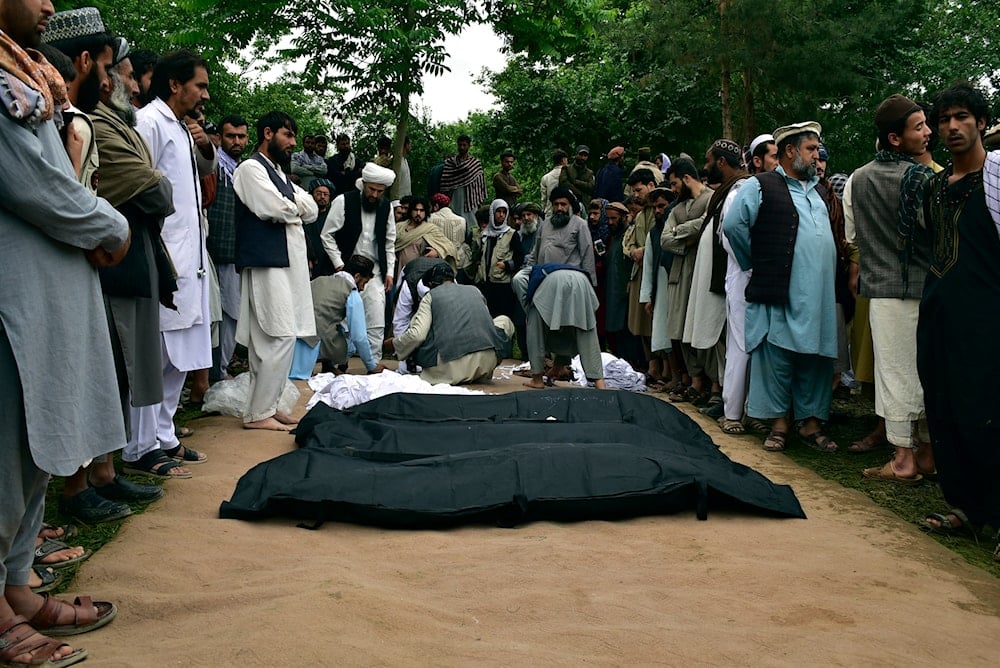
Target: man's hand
x=389, y=344
x=853, y=274
x=388, y=283
x=501, y=266
x=102, y=258
x=649, y=307
x=637, y=254
x=431, y=253
x=201, y=139
x=379, y=368
x=74, y=147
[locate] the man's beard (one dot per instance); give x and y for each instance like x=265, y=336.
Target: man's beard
x=90, y=91
x=715, y=174
x=803, y=168
x=529, y=228
x=560, y=218
x=120, y=101
x=368, y=205
x=281, y=158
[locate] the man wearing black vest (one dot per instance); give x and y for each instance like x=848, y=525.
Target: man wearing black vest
x=452, y=336
x=359, y=223
x=275, y=302
x=779, y=227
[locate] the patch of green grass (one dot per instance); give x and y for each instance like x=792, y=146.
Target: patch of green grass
x=856, y=413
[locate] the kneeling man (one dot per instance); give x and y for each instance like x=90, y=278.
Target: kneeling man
x=452, y=336
x=340, y=314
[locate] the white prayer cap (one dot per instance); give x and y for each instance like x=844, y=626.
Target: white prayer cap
x=758, y=140
x=393, y=204
x=372, y=173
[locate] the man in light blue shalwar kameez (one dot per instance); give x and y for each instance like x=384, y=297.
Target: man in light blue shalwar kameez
x=791, y=329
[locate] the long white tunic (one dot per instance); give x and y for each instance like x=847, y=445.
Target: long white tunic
x=282, y=299
x=186, y=331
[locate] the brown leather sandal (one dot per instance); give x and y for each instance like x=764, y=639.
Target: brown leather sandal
x=84, y=617
x=17, y=637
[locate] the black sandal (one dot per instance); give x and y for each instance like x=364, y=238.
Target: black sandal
x=186, y=455
x=157, y=463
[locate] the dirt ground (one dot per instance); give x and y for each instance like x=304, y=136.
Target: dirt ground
x=852, y=585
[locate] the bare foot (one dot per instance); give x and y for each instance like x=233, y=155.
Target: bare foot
x=269, y=424
x=285, y=418
x=49, y=531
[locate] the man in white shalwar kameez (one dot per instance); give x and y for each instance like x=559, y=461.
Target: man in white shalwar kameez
x=180, y=83
x=276, y=302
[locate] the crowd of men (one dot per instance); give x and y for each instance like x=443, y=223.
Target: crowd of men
x=143, y=243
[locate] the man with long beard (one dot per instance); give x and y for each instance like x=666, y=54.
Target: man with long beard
x=276, y=303
x=358, y=224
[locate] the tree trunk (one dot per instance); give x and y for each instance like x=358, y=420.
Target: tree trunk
x=727, y=105
x=402, y=128
x=749, y=113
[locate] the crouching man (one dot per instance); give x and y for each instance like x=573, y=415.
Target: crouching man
x=452, y=336
x=340, y=315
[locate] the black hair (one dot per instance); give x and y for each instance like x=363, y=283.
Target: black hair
x=558, y=156
x=384, y=142
x=274, y=121
x=962, y=95
x=59, y=60
x=762, y=149
x=465, y=138
x=483, y=214
x=143, y=60
x=681, y=168
x=342, y=136
x=414, y=200
x=645, y=154
x=234, y=120
x=359, y=264
x=175, y=66
x=643, y=175
x=322, y=138
x=92, y=44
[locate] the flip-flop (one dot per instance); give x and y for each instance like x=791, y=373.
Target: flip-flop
x=50, y=546
x=84, y=617
x=49, y=577
x=156, y=463
x=887, y=474
x=187, y=455
x=183, y=432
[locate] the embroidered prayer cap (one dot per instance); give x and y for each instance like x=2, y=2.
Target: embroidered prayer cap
x=372, y=173
x=619, y=207
x=616, y=152
x=892, y=110
x=728, y=147
x=74, y=23
x=583, y=148
x=823, y=153
x=760, y=139
x=786, y=131
x=441, y=199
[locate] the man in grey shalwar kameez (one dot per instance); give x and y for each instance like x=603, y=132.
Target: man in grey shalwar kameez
x=562, y=319
x=52, y=328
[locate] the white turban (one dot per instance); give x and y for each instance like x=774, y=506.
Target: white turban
x=372, y=173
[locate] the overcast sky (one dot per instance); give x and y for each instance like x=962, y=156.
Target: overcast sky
x=451, y=97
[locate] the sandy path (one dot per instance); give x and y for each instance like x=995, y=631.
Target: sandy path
x=852, y=585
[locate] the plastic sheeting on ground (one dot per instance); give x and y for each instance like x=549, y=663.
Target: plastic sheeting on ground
x=229, y=397
x=409, y=461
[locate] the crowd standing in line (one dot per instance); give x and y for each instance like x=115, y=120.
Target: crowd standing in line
x=157, y=244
